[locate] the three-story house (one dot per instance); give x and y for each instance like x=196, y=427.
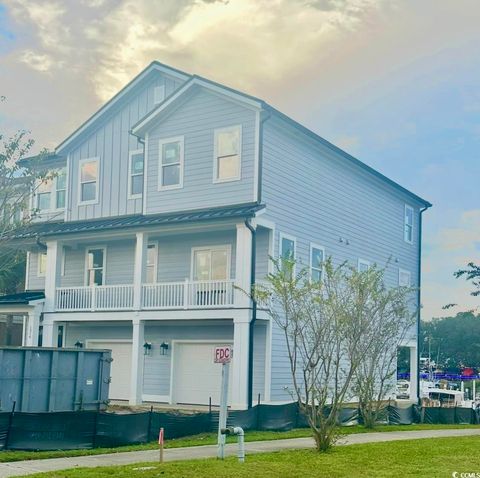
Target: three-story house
x=166, y=205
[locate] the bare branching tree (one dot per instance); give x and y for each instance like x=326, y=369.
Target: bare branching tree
x=329, y=335
x=390, y=315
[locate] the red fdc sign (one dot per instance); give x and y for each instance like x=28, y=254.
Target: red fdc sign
x=222, y=354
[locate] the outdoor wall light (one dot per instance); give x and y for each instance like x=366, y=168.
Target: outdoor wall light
x=79, y=344
x=163, y=348
x=147, y=347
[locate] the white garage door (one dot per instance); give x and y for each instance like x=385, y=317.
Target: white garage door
x=195, y=376
x=120, y=371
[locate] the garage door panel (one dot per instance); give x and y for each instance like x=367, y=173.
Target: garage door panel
x=196, y=377
x=120, y=370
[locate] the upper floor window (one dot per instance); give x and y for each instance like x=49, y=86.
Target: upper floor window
x=317, y=257
x=95, y=266
x=158, y=94
x=227, y=154
x=363, y=265
x=51, y=192
x=408, y=231
x=42, y=264
x=152, y=256
x=88, y=189
x=404, y=278
x=135, y=178
x=171, y=163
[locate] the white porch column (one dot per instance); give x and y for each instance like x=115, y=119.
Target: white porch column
x=243, y=265
x=138, y=339
x=49, y=338
x=52, y=273
x=413, y=373
x=140, y=268
x=32, y=319
x=239, y=374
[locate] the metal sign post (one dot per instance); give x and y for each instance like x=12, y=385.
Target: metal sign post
x=223, y=355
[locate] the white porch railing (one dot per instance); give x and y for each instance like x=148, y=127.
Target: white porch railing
x=161, y=295
x=102, y=297
x=188, y=294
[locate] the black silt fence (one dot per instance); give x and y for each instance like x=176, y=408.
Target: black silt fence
x=75, y=430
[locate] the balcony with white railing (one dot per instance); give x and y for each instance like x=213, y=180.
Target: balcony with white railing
x=156, y=296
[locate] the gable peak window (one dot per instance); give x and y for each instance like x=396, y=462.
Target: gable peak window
x=227, y=154
x=135, y=188
x=171, y=163
x=408, y=224
x=88, y=181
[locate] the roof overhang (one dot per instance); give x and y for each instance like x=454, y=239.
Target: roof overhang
x=143, y=125
x=154, y=66
x=134, y=222
x=21, y=301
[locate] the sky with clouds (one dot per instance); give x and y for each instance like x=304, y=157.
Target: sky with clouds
x=394, y=82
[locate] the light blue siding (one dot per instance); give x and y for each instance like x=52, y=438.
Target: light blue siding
x=262, y=254
x=313, y=194
x=110, y=141
x=34, y=281
x=196, y=120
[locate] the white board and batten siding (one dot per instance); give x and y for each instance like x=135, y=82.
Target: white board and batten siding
x=316, y=196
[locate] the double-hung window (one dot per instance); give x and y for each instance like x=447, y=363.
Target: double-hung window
x=171, y=163
x=88, y=189
x=152, y=257
x=404, y=278
x=363, y=265
x=95, y=266
x=211, y=263
x=42, y=264
x=227, y=154
x=408, y=222
x=317, y=257
x=287, y=250
x=51, y=192
x=135, y=184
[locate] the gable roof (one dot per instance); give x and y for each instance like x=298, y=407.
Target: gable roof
x=142, y=125
x=139, y=128
x=154, y=66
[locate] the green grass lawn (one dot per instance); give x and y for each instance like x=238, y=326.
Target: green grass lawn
x=438, y=457
x=210, y=439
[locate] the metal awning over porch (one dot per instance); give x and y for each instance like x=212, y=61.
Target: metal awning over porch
x=34, y=231
x=22, y=298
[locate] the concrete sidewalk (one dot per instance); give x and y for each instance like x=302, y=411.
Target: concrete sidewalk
x=22, y=468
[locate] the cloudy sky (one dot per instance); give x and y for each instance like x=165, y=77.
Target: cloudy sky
x=394, y=82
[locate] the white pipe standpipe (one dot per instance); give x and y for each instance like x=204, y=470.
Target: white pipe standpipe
x=241, y=440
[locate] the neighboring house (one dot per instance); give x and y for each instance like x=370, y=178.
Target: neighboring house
x=146, y=236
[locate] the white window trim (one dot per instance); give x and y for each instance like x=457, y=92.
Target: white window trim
x=130, y=154
x=280, y=252
x=155, y=264
x=53, y=193
x=363, y=262
x=40, y=274
x=321, y=248
x=156, y=89
x=226, y=247
x=404, y=271
x=407, y=207
x=62, y=266
x=177, y=139
x=215, y=156
x=97, y=189
x=89, y=248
